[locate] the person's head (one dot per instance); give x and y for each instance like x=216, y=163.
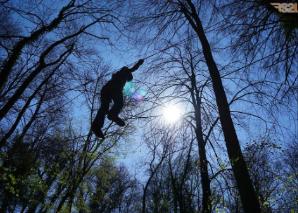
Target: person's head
x=126, y=73
x=125, y=68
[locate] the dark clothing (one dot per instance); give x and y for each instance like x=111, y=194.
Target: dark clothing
x=112, y=91
x=119, y=79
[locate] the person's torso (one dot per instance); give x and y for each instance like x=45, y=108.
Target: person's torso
x=119, y=79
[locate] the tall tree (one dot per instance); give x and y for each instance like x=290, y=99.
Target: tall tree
x=168, y=16
x=246, y=189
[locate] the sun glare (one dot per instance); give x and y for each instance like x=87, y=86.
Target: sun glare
x=172, y=113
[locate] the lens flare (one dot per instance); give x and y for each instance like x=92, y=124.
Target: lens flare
x=136, y=94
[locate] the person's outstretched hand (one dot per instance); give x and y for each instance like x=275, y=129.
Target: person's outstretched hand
x=137, y=65
x=141, y=61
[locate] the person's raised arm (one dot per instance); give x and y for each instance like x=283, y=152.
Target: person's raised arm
x=137, y=65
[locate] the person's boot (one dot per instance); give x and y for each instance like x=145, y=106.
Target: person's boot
x=97, y=131
x=116, y=119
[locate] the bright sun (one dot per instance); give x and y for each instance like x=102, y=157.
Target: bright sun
x=171, y=113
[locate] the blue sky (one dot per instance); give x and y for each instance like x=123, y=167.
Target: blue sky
x=124, y=52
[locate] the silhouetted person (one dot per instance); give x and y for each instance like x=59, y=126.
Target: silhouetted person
x=113, y=91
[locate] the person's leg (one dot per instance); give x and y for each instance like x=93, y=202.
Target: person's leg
x=116, y=109
x=98, y=122
x=117, y=98
x=100, y=116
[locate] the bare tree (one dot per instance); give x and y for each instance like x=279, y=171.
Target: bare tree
x=168, y=16
x=38, y=58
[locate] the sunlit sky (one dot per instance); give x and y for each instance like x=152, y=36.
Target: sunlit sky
x=172, y=113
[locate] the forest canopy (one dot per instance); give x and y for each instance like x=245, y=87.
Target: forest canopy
x=211, y=116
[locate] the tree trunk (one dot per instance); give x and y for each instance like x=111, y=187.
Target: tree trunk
x=246, y=190
x=17, y=49
x=205, y=180
x=20, y=90
x=25, y=107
